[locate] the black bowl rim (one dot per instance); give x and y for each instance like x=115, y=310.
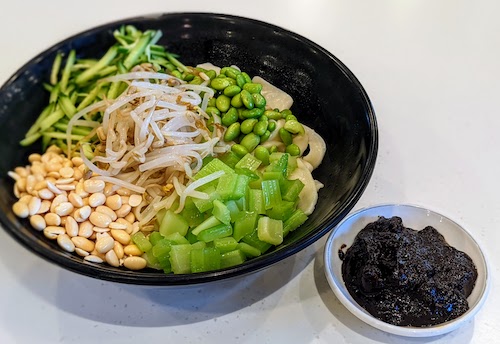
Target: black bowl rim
x=154, y=278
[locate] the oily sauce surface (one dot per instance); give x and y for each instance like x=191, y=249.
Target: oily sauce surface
x=407, y=277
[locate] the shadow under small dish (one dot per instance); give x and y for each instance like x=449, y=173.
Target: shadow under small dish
x=327, y=97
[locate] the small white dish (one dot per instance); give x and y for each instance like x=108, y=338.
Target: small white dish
x=417, y=218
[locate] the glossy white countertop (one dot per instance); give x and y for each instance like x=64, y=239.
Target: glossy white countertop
x=432, y=71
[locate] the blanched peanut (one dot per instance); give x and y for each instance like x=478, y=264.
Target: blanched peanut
x=97, y=199
x=85, y=229
x=123, y=211
x=121, y=236
x=117, y=225
x=80, y=190
x=99, y=219
x=34, y=157
x=52, y=188
x=51, y=232
x=118, y=248
x=112, y=259
x=82, y=214
x=135, y=200
x=75, y=199
x=44, y=207
x=56, y=201
x=104, y=244
x=123, y=192
x=52, y=219
x=114, y=202
x=38, y=222
x=71, y=226
x=45, y=194
x=135, y=263
x=93, y=259
x=66, y=172
x=130, y=218
x=132, y=250
x=93, y=185
x=100, y=229
x=65, y=243
x=77, y=161
x=34, y=205
x=21, y=209
x=81, y=252
x=109, y=190
x=106, y=210
x=64, y=209
x=83, y=243
x=25, y=199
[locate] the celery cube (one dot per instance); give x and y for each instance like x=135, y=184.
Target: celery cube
x=212, y=233
x=205, y=259
x=253, y=240
x=221, y=212
x=270, y=230
x=232, y=258
x=173, y=223
x=244, y=224
x=225, y=244
x=180, y=259
x=249, y=250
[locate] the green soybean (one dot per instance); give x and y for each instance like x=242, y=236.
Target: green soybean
x=211, y=74
x=177, y=74
x=232, y=132
x=292, y=149
x=240, y=80
x=273, y=149
x=232, y=90
x=223, y=103
x=220, y=83
x=250, y=141
x=211, y=102
x=259, y=100
x=271, y=114
x=265, y=136
x=230, y=117
x=246, y=98
x=246, y=76
x=285, y=136
x=239, y=150
x=248, y=125
x=260, y=128
x=187, y=76
x=236, y=101
x=252, y=87
x=294, y=127
x=230, y=72
x=254, y=113
x=286, y=112
x=290, y=118
x=196, y=81
x=271, y=126
x=212, y=110
x=262, y=154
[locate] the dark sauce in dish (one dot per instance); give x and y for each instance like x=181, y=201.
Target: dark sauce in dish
x=406, y=277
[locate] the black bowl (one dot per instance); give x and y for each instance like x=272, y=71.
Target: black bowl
x=327, y=97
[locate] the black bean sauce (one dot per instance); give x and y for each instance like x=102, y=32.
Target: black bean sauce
x=406, y=277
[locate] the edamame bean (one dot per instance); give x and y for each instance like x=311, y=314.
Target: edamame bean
x=212, y=110
x=240, y=80
x=246, y=76
x=265, y=136
x=293, y=150
x=211, y=102
x=223, y=103
x=285, y=136
x=273, y=149
x=262, y=154
x=230, y=72
x=293, y=127
x=211, y=74
x=260, y=128
x=236, y=101
x=177, y=74
x=220, y=83
x=232, y=132
x=286, y=112
x=271, y=126
x=246, y=98
x=290, y=118
x=271, y=114
x=252, y=87
x=239, y=150
x=232, y=90
x=248, y=125
x=250, y=141
x=259, y=100
x=196, y=81
x=187, y=76
x=230, y=117
x=264, y=118
x=254, y=113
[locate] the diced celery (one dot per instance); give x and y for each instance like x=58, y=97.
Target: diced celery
x=290, y=189
x=244, y=224
x=210, y=222
x=159, y=215
x=254, y=241
x=173, y=223
x=280, y=165
x=256, y=201
x=204, y=205
x=242, y=204
x=161, y=250
x=240, y=189
x=151, y=261
x=180, y=259
x=191, y=213
x=213, y=166
x=221, y=212
x=271, y=193
x=198, y=245
x=140, y=240
x=205, y=259
x=248, y=250
x=270, y=230
x=282, y=210
x=177, y=238
x=294, y=221
x=233, y=209
x=249, y=162
x=154, y=237
x=226, y=186
x=232, y=258
x=225, y=244
x=230, y=159
x=272, y=175
x=212, y=233
x=253, y=175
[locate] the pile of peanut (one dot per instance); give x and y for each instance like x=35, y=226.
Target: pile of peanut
x=84, y=214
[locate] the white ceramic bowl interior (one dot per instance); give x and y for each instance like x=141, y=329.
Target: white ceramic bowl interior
x=417, y=218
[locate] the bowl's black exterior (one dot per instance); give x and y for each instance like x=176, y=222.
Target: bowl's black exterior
x=327, y=97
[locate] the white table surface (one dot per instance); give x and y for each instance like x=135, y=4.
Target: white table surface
x=431, y=69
